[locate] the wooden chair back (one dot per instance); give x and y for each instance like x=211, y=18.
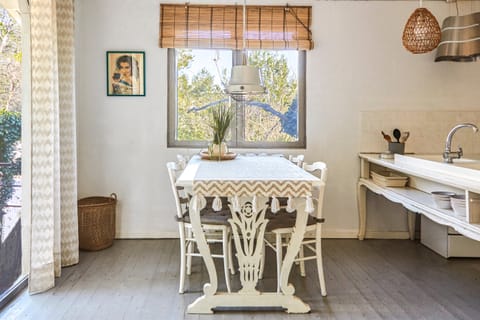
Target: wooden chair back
x=173, y=173
x=298, y=160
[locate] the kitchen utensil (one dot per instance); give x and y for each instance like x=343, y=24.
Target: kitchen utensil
x=397, y=134
x=386, y=137
x=404, y=136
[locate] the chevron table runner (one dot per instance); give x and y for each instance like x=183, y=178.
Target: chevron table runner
x=245, y=176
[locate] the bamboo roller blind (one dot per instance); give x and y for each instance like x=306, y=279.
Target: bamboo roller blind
x=221, y=27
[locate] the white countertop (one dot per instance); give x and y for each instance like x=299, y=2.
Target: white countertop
x=456, y=174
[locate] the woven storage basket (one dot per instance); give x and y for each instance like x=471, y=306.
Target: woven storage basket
x=96, y=222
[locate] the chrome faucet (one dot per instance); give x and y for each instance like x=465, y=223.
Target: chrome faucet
x=448, y=154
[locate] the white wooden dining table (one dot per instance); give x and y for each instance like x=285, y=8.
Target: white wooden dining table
x=249, y=182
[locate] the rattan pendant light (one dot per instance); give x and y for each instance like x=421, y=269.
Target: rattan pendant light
x=422, y=32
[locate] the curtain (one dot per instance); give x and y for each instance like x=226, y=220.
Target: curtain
x=221, y=27
x=54, y=221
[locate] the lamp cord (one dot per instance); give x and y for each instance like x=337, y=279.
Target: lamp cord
x=244, y=46
x=244, y=22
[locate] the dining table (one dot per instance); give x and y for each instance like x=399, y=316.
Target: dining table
x=253, y=185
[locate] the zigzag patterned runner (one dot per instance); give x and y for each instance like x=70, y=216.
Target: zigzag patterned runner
x=271, y=188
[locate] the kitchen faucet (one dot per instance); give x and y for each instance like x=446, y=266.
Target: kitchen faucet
x=448, y=154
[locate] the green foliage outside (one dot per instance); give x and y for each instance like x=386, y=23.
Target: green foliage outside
x=10, y=103
x=281, y=84
x=197, y=90
x=201, y=89
x=10, y=62
x=10, y=162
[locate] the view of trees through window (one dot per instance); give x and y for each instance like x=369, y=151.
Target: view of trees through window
x=201, y=79
x=10, y=151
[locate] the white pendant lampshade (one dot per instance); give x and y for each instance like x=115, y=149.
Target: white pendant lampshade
x=245, y=80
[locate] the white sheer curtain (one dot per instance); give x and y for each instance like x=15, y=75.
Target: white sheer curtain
x=54, y=230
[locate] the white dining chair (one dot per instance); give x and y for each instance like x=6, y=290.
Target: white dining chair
x=216, y=226
x=282, y=224
x=281, y=155
x=298, y=160
x=182, y=161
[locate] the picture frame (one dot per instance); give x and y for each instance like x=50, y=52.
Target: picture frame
x=125, y=73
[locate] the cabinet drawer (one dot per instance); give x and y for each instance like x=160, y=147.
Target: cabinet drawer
x=460, y=246
x=438, y=238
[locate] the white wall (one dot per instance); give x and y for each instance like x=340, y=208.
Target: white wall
x=358, y=64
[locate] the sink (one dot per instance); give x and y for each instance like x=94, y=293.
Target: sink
x=473, y=161
x=468, y=167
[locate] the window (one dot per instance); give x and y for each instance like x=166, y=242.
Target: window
x=196, y=82
x=204, y=42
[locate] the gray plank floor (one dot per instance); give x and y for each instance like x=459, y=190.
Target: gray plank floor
x=371, y=279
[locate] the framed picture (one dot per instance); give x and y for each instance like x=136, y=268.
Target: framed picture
x=125, y=73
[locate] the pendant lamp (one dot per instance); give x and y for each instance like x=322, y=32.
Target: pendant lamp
x=460, y=39
x=422, y=32
x=245, y=80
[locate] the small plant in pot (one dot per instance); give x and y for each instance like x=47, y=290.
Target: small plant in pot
x=221, y=117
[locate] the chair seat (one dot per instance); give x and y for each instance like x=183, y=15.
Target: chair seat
x=284, y=219
x=208, y=216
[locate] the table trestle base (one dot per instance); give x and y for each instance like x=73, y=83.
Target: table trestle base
x=290, y=303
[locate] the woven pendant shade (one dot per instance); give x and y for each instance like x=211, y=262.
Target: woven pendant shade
x=422, y=32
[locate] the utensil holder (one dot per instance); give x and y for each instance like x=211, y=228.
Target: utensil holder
x=396, y=147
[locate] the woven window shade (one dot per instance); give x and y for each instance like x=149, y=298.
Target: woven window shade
x=220, y=27
x=422, y=32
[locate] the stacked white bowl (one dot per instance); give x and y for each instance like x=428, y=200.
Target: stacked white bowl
x=459, y=205
x=442, y=199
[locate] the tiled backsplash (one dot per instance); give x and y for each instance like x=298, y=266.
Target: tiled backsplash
x=428, y=130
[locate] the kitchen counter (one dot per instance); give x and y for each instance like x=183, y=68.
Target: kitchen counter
x=426, y=173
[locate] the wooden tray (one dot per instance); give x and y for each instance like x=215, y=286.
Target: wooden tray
x=227, y=156
x=389, y=179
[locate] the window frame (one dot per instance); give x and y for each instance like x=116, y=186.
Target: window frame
x=237, y=128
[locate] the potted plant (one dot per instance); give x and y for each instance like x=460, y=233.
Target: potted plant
x=221, y=117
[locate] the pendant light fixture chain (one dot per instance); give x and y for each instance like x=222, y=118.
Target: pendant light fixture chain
x=244, y=25
x=245, y=80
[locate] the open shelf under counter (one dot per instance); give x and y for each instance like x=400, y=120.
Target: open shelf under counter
x=416, y=197
x=418, y=201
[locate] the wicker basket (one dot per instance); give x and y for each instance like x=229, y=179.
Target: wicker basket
x=96, y=222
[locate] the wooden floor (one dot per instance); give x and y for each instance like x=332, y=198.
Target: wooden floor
x=371, y=279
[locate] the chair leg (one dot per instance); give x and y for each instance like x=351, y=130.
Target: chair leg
x=302, y=262
x=226, y=262
x=190, y=245
x=230, y=254
x=318, y=252
x=262, y=261
x=278, y=244
x=182, y=260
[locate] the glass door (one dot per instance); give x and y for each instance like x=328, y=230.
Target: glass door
x=10, y=151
